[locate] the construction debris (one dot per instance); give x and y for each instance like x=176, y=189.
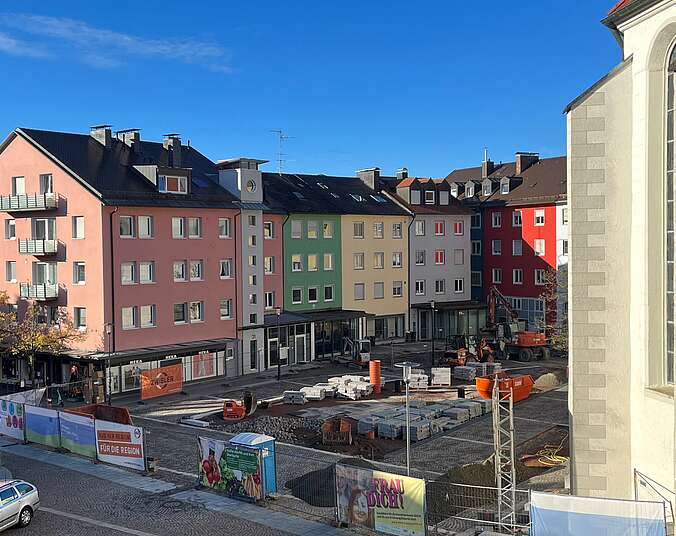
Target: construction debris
x=294, y=397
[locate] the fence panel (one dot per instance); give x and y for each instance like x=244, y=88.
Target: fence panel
x=42, y=426
x=120, y=444
x=12, y=419
x=78, y=434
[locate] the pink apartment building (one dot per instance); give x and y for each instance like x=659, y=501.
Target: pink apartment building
x=153, y=249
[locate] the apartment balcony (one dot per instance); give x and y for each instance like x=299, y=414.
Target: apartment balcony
x=29, y=246
x=28, y=202
x=39, y=291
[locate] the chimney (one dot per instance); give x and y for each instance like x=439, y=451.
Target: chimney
x=131, y=137
x=524, y=161
x=402, y=173
x=487, y=166
x=102, y=134
x=172, y=143
x=369, y=177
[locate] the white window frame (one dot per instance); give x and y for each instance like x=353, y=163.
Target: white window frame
x=379, y=260
x=315, y=288
x=358, y=230
x=496, y=219
x=478, y=275
x=312, y=262
x=539, y=277
x=378, y=229
x=333, y=289
x=358, y=261
x=185, y=270
x=419, y=227
x=397, y=230
x=200, y=309
x=475, y=216
x=225, y=304
x=299, y=300
x=179, y=233
x=517, y=276
x=10, y=271
x=132, y=224
x=184, y=309
x=420, y=253
x=378, y=287
x=153, y=316
x=459, y=285
x=459, y=253
x=268, y=230
x=296, y=262
x=439, y=224
x=327, y=229
x=397, y=259
x=517, y=219
x=200, y=264
x=420, y=287
x=328, y=262
x=224, y=228
x=146, y=227
x=539, y=251
x=437, y=262
x=269, y=265
x=77, y=225
x=517, y=251
x=134, y=274
x=397, y=289
x=361, y=286
x=459, y=225
x=225, y=269
x=429, y=197
x=312, y=230
x=191, y=221
x=77, y=318
x=496, y=275
x=476, y=247
x=269, y=298
x=496, y=250
x=296, y=229
x=440, y=286
x=539, y=217
x=76, y=272
x=149, y=266
x=134, y=318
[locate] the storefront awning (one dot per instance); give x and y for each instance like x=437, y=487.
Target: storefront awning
x=335, y=314
x=450, y=306
x=285, y=319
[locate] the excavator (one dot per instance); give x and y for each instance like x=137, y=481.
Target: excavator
x=236, y=410
x=518, y=343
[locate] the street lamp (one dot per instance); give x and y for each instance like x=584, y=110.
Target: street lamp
x=406, y=367
x=433, y=328
x=278, y=312
x=109, y=333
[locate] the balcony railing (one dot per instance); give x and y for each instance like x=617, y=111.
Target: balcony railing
x=14, y=203
x=39, y=291
x=29, y=246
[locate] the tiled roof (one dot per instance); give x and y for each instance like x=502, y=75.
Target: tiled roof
x=618, y=6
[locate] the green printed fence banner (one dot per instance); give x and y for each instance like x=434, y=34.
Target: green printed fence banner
x=78, y=434
x=42, y=426
x=12, y=419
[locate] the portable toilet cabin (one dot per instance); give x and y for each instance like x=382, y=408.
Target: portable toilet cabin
x=265, y=445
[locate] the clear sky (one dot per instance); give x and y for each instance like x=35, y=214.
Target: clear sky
x=422, y=84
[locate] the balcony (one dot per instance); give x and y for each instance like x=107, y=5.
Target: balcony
x=28, y=202
x=39, y=291
x=30, y=246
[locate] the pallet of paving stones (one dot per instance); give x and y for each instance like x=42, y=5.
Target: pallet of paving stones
x=493, y=368
x=313, y=393
x=480, y=368
x=367, y=424
x=486, y=405
x=294, y=397
x=439, y=424
x=475, y=408
x=457, y=414
x=438, y=408
x=330, y=389
x=424, y=413
x=441, y=377
x=465, y=374
x=391, y=429
x=419, y=430
x=419, y=381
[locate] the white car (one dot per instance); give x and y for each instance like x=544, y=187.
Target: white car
x=18, y=502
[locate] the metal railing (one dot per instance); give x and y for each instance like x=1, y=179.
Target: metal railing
x=39, y=291
x=18, y=202
x=29, y=246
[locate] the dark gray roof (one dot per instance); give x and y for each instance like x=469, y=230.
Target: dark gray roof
x=322, y=194
x=109, y=172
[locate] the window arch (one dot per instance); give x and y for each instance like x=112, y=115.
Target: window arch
x=669, y=221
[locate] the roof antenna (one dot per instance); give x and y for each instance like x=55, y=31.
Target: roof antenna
x=282, y=137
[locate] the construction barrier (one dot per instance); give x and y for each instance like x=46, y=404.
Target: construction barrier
x=78, y=434
x=42, y=426
x=12, y=419
x=120, y=444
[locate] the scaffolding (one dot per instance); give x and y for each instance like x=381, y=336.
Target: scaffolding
x=505, y=470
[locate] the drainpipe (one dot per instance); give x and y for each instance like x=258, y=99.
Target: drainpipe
x=111, y=339
x=409, y=270
x=237, y=316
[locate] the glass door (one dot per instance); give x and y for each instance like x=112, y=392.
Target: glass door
x=273, y=352
x=300, y=349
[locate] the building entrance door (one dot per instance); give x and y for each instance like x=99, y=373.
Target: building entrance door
x=301, y=356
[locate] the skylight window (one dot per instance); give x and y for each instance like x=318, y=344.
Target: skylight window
x=335, y=195
x=322, y=185
x=299, y=195
x=379, y=198
x=357, y=197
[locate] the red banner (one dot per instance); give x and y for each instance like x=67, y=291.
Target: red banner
x=161, y=381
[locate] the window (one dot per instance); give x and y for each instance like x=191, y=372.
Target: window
x=419, y=228
x=296, y=263
x=517, y=276
x=379, y=260
x=252, y=280
x=252, y=240
x=10, y=229
x=130, y=317
x=269, y=265
x=358, y=229
x=487, y=188
x=497, y=275
x=312, y=295
x=440, y=286
x=10, y=271
x=516, y=218
x=180, y=271
x=46, y=184
x=269, y=300
x=328, y=262
x=443, y=197
x=252, y=260
x=358, y=261
x=420, y=287
x=252, y=220
x=397, y=259
x=128, y=270
x=517, y=247
x=223, y=227
x=539, y=276
x=439, y=228
x=178, y=227
x=328, y=293
x=328, y=229
x=225, y=309
x=496, y=219
x=197, y=311
x=459, y=285
x=146, y=272
x=296, y=229
x=564, y=216
x=225, y=268
x=359, y=291
x=268, y=230
x=564, y=247
x=458, y=228
x=378, y=290
x=312, y=262
x=145, y=226
x=297, y=295
x=539, y=247
x=196, y=270
x=429, y=197
x=397, y=230
x=194, y=227
x=440, y=256
x=77, y=223
x=148, y=316
x=476, y=247
x=172, y=185
x=312, y=229
x=397, y=289
x=504, y=186
x=127, y=227
x=476, y=220
x=420, y=257
x=253, y=299
x=539, y=217
x=496, y=247
x=476, y=279
x=458, y=256
x=378, y=230
x=415, y=197
x=180, y=313
x=79, y=273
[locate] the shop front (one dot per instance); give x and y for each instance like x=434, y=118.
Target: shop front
x=288, y=337
x=448, y=321
x=334, y=331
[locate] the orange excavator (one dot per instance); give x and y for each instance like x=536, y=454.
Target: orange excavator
x=236, y=410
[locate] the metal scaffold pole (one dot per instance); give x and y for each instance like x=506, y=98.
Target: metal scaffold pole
x=505, y=470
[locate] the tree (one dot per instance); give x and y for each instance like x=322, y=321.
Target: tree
x=35, y=334
x=555, y=298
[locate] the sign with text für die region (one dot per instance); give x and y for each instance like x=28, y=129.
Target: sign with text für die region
x=120, y=444
x=161, y=381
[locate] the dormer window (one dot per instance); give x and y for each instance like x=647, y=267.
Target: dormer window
x=487, y=188
x=172, y=185
x=443, y=197
x=504, y=186
x=429, y=197
x=415, y=197
x=470, y=189
x=454, y=190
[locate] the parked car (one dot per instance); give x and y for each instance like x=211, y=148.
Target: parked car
x=18, y=502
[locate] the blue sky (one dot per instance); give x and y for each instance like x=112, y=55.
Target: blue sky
x=357, y=84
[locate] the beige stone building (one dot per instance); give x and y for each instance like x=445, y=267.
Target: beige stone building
x=621, y=166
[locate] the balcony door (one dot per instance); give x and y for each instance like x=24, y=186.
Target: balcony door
x=44, y=229
x=44, y=273
x=18, y=185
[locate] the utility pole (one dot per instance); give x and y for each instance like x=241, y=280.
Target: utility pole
x=281, y=137
x=503, y=442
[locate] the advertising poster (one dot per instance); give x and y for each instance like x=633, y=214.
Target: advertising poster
x=203, y=365
x=120, y=444
x=12, y=419
x=42, y=426
x=385, y=502
x=78, y=434
x=230, y=470
x=162, y=381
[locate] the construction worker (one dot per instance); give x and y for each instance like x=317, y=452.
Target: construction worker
x=485, y=352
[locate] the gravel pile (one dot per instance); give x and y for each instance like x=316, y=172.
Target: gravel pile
x=284, y=429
